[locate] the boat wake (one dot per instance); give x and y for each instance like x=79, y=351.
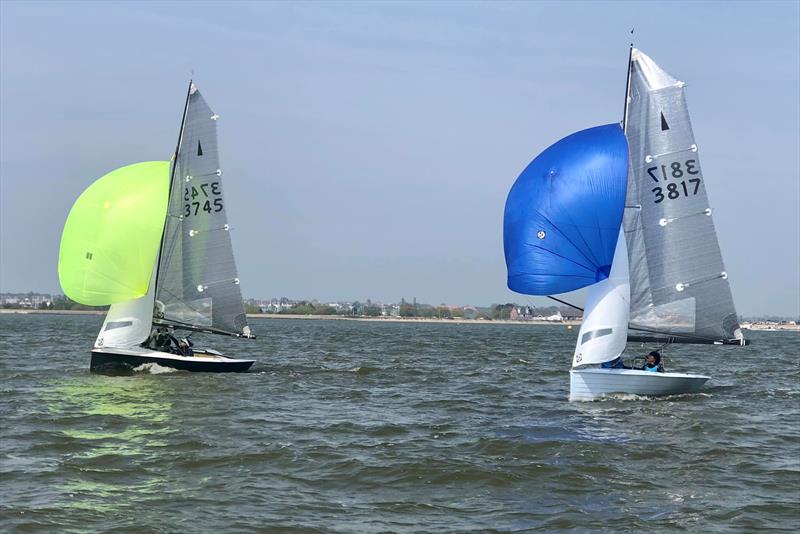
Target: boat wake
x=154, y=369
x=660, y=398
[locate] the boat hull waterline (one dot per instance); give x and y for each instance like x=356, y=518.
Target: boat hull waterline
x=111, y=359
x=592, y=384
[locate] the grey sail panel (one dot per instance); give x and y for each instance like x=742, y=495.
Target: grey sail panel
x=679, y=288
x=198, y=285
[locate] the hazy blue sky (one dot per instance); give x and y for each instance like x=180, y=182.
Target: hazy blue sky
x=368, y=147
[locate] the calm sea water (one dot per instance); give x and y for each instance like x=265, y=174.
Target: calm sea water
x=365, y=427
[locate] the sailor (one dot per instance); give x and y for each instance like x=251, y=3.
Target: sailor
x=653, y=363
x=185, y=347
x=616, y=363
x=159, y=340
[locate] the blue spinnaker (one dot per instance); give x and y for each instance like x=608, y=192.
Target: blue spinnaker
x=564, y=211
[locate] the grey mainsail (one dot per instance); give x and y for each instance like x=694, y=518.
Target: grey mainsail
x=197, y=285
x=679, y=287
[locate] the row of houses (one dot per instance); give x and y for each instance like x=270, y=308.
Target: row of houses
x=277, y=305
x=26, y=300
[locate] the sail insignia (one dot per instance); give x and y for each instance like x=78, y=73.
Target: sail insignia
x=199, y=148
x=664, y=125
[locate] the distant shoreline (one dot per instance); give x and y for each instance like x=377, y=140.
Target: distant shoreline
x=16, y=311
x=458, y=320
x=419, y=320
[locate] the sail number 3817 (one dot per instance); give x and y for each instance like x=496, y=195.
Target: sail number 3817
x=675, y=171
x=204, y=197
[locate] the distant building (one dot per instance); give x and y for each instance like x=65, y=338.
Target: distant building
x=471, y=312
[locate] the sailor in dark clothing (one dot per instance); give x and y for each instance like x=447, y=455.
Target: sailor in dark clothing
x=653, y=363
x=162, y=340
x=184, y=346
x=159, y=340
x=616, y=363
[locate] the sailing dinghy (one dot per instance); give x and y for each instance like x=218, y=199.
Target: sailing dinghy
x=623, y=210
x=153, y=241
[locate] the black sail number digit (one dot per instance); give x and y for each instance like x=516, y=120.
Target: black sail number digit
x=673, y=190
x=209, y=201
x=659, y=194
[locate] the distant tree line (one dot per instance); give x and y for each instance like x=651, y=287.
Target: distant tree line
x=59, y=302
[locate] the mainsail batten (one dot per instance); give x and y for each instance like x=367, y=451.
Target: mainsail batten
x=679, y=287
x=198, y=286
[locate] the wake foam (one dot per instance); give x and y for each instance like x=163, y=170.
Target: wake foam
x=635, y=397
x=153, y=369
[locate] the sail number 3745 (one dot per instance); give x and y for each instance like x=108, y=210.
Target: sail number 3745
x=676, y=170
x=204, y=197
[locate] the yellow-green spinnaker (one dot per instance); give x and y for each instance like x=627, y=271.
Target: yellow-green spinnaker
x=112, y=235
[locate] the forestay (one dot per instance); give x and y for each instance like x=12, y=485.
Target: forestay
x=198, y=286
x=679, y=287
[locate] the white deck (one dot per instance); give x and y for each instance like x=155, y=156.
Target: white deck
x=593, y=383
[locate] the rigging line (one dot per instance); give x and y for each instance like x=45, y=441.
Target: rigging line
x=565, y=302
x=670, y=335
x=189, y=326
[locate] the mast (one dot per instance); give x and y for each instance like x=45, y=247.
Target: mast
x=172, y=181
x=627, y=90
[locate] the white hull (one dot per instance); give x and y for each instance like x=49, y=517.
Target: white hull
x=593, y=383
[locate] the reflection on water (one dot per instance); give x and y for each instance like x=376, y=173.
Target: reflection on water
x=114, y=426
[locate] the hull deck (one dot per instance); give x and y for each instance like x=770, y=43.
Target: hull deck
x=115, y=359
x=591, y=384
